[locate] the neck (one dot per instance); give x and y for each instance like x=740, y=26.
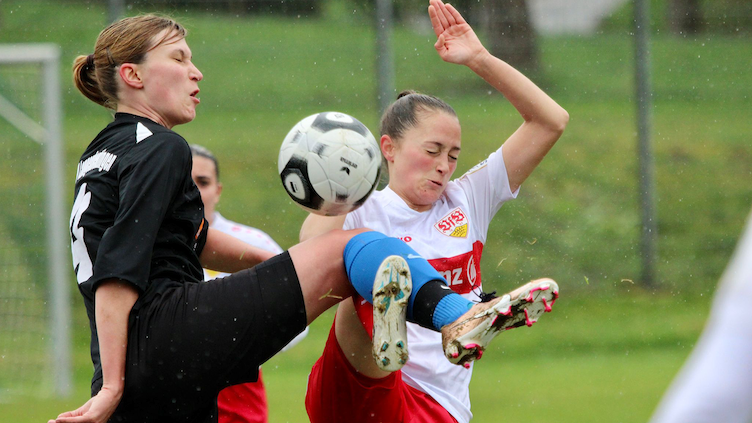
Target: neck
x=210, y=217
x=123, y=108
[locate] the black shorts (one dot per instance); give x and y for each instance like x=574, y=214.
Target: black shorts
x=196, y=339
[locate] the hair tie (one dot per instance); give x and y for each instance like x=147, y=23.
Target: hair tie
x=90, y=61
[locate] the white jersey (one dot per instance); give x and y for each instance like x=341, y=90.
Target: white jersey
x=714, y=384
x=247, y=234
x=451, y=237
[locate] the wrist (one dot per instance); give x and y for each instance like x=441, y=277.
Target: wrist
x=480, y=61
x=114, y=389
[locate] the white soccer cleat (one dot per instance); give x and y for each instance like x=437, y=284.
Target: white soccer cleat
x=391, y=292
x=465, y=339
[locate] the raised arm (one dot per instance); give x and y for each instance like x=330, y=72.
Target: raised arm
x=225, y=253
x=544, y=119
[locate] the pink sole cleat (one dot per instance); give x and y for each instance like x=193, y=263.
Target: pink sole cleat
x=466, y=339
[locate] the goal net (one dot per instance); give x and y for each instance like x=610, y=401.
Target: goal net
x=34, y=264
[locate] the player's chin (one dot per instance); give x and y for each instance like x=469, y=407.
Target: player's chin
x=187, y=116
x=430, y=196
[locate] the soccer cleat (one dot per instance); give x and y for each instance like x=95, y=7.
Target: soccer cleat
x=465, y=339
x=391, y=292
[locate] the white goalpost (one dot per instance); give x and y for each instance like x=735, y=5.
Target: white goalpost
x=45, y=59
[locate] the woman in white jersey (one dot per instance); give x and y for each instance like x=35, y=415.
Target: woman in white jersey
x=715, y=383
x=446, y=221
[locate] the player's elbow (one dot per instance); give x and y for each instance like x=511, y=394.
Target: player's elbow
x=559, y=121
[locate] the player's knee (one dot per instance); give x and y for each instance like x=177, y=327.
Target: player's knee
x=341, y=237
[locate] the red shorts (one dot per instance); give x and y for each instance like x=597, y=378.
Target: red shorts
x=244, y=403
x=338, y=393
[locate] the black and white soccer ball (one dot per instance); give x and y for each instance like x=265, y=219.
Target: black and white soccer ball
x=329, y=163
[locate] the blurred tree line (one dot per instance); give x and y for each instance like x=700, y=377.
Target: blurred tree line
x=506, y=24
x=687, y=17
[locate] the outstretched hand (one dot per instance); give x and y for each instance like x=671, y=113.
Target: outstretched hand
x=456, y=41
x=97, y=410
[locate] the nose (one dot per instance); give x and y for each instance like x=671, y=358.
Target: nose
x=196, y=74
x=442, y=165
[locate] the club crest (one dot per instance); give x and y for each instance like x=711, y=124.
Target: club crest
x=453, y=224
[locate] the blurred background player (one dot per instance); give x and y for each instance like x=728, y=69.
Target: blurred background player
x=444, y=220
x=205, y=174
x=245, y=403
x=715, y=384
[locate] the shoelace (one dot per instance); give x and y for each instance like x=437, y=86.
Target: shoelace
x=487, y=296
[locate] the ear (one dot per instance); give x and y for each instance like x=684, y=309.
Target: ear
x=219, y=190
x=388, y=146
x=129, y=74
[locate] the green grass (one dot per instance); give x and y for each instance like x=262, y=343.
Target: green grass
x=576, y=220
x=588, y=361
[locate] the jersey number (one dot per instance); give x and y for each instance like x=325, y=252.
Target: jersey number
x=81, y=257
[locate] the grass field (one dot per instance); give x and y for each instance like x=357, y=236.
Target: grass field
x=591, y=360
x=610, y=348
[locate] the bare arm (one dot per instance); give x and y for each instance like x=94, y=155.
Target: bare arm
x=315, y=225
x=225, y=253
x=114, y=300
x=544, y=119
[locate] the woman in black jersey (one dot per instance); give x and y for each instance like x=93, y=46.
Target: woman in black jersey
x=162, y=343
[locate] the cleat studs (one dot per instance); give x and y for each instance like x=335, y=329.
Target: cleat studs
x=528, y=322
x=547, y=306
x=401, y=345
x=384, y=346
x=531, y=298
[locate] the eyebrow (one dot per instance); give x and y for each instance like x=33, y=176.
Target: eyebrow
x=438, y=144
x=181, y=52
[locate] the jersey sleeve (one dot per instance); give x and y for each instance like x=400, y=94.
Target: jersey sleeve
x=353, y=220
x=258, y=238
x=487, y=187
x=150, y=176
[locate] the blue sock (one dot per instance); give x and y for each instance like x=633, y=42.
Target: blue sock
x=363, y=256
x=449, y=309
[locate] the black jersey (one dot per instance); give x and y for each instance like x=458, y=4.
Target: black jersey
x=137, y=215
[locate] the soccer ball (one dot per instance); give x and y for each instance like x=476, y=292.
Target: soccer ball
x=329, y=163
